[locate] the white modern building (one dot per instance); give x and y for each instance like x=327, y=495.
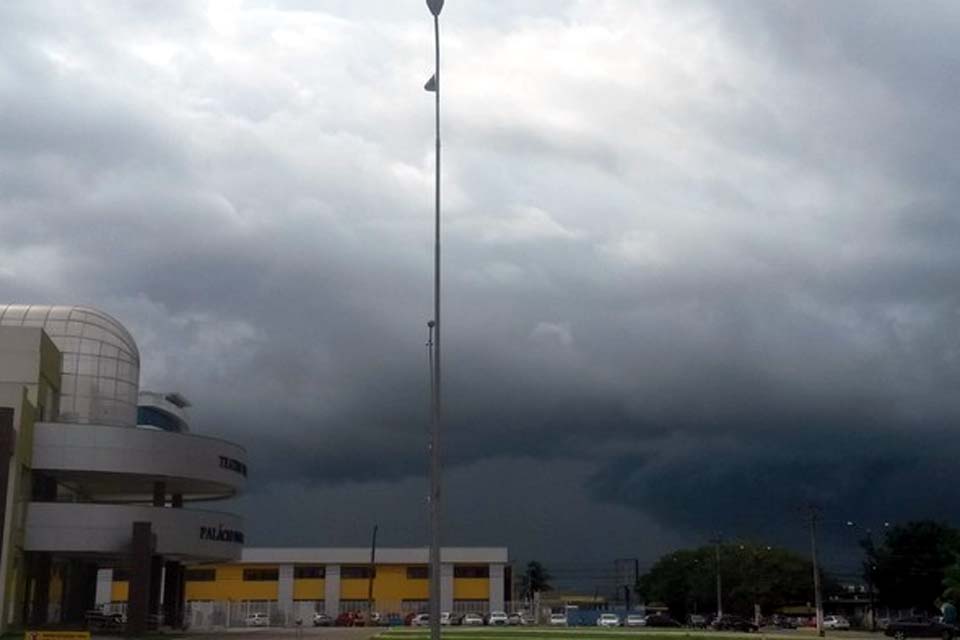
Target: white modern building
x=84, y=488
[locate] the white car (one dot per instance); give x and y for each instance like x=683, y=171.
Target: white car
x=498, y=618
x=472, y=620
x=558, y=619
x=420, y=620
x=257, y=620
x=635, y=620
x=608, y=620
x=445, y=618
x=838, y=623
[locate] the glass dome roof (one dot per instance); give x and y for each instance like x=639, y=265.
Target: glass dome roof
x=101, y=363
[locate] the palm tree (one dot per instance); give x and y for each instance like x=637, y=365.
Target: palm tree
x=535, y=579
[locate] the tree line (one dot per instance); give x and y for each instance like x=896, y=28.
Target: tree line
x=915, y=566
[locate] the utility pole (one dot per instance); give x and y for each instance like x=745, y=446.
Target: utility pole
x=373, y=571
x=817, y=596
x=716, y=542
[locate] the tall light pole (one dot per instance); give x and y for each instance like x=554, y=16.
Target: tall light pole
x=433, y=85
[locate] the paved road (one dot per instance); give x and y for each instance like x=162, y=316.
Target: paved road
x=307, y=633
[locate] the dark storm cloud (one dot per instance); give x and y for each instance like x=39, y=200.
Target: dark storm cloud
x=701, y=261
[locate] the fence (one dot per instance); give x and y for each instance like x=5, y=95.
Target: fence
x=206, y=614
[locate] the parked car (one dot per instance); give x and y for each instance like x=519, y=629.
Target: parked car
x=393, y=620
x=558, y=619
x=696, y=621
x=99, y=621
x=321, y=619
x=734, y=623
x=498, y=619
x=450, y=619
x=346, y=619
x=472, y=620
x=782, y=622
x=257, y=620
x=420, y=620
x=920, y=627
x=514, y=619
x=661, y=620
x=838, y=623
x=635, y=620
x=608, y=620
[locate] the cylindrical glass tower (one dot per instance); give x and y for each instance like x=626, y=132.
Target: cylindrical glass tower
x=101, y=363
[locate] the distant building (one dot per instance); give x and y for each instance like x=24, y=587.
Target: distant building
x=290, y=584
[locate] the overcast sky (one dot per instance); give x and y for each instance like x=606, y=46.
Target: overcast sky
x=701, y=259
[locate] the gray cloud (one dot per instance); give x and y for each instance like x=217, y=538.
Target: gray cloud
x=700, y=261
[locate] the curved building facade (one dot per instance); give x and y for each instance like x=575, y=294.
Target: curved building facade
x=86, y=488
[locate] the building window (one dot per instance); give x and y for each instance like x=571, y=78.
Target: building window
x=311, y=573
x=261, y=575
x=201, y=575
x=357, y=571
x=418, y=573
x=471, y=571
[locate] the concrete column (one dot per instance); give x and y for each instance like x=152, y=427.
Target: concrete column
x=156, y=584
x=285, y=594
x=138, y=602
x=40, y=567
x=173, y=594
x=80, y=589
x=446, y=587
x=159, y=494
x=496, y=587
x=104, y=586
x=331, y=590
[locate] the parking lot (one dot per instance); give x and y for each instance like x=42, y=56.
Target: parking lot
x=513, y=633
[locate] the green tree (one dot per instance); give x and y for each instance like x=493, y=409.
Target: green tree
x=535, y=579
x=951, y=581
x=912, y=563
x=771, y=577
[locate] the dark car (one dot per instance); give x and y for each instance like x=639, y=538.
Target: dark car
x=920, y=627
x=734, y=623
x=696, y=621
x=346, y=619
x=782, y=622
x=661, y=620
x=322, y=620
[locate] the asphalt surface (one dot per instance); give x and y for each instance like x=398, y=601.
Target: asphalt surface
x=366, y=633
x=311, y=633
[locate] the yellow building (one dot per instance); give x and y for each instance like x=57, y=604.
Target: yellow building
x=292, y=584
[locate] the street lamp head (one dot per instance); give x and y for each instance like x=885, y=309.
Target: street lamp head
x=435, y=6
x=431, y=324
